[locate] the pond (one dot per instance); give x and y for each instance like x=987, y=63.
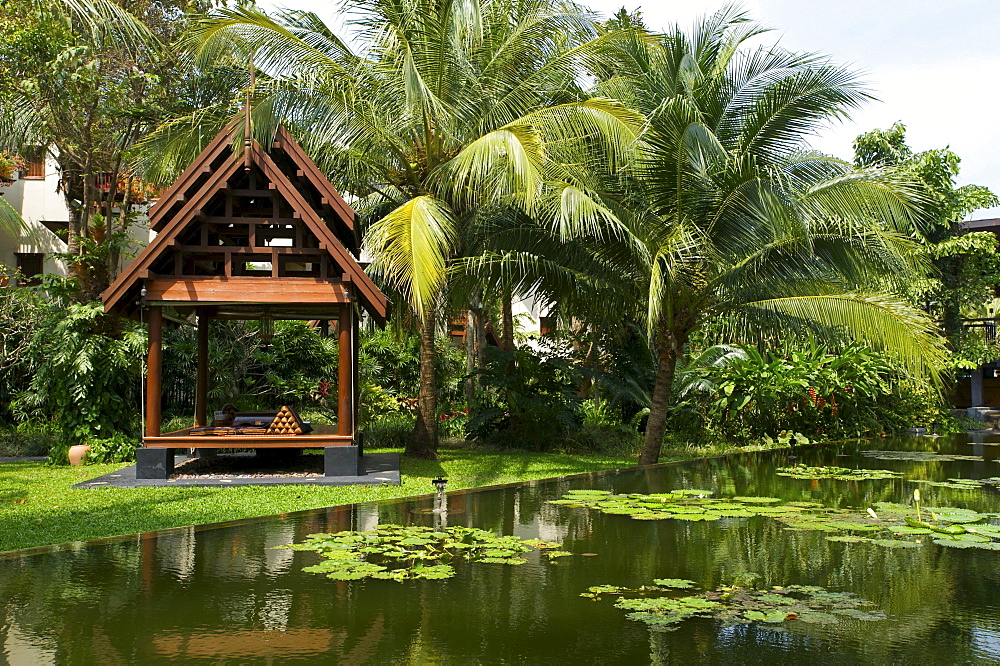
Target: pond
x=223, y=594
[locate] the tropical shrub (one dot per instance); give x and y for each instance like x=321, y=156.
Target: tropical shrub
x=120, y=447
x=29, y=439
x=21, y=314
x=86, y=372
x=389, y=431
x=742, y=393
x=248, y=373
x=528, y=400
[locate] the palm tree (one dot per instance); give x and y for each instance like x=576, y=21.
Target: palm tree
x=11, y=222
x=727, y=217
x=450, y=108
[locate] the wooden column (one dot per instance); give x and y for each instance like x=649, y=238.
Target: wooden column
x=355, y=365
x=154, y=372
x=201, y=386
x=976, y=388
x=345, y=374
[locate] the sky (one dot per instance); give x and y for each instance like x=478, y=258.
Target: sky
x=932, y=64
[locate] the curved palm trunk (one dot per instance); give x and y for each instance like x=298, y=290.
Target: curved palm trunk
x=507, y=314
x=475, y=335
x=424, y=438
x=670, y=348
x=507, y=306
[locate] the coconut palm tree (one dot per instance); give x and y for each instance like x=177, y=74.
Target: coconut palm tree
x=445, y=109
x=727, y=217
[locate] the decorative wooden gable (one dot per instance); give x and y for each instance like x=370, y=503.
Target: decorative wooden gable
x=261, y=234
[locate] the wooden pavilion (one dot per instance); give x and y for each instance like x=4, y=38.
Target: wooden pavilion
x=259, y=236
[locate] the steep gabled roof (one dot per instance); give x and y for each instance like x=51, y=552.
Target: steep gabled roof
x=202, y=165
x=223, y=214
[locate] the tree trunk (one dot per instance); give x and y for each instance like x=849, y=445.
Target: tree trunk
x=114, y=257
x=507, y=303
x=507, y=306
x=86, y=200
x=473, y=349
x=73, y=192
x=588, y=362
x=424, y=438
x=656, y=425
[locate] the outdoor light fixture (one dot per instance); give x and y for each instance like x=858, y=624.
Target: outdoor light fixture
x=440, y=509
x=266, y=329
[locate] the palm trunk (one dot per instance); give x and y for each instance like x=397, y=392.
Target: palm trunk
x=507, y=307
x=474, y=335
x=508, y=318
x=586, y=384
x=424, y=438
x=656, y=425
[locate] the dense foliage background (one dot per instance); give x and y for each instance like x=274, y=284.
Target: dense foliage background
x=714, y=278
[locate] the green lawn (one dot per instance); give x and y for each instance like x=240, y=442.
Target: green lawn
x=37, y=506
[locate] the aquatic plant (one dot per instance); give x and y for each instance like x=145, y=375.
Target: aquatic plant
x=836, y=473
x=657, y=607
x=959, y=484
x=394, y=552
x=887, y=525
x=919, y=456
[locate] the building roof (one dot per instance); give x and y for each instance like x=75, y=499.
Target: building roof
x=991, y=224
x=255, y=234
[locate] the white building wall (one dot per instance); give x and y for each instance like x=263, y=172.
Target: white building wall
x=37, y=200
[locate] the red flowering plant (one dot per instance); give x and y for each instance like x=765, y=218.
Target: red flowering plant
x=10, y=163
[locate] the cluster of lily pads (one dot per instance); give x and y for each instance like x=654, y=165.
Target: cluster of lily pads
x=960, y=484
x=394, y=552
x=659, y=607
x=836, y=473
x=886, y=524
x=919, y=456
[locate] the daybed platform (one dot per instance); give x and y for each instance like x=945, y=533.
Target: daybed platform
x=321, y=437
x=342, y=457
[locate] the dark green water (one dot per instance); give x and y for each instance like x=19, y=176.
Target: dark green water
x=220, y=595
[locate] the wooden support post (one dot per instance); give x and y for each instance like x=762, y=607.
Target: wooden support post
x=355, y=343
x=154, y=372
x=345, y=375
x=201, y=386
x=976, y=393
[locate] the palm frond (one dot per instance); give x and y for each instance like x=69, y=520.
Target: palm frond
x=883, y=321
x=411, y=246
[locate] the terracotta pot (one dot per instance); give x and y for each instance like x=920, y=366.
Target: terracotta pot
x=78, y=454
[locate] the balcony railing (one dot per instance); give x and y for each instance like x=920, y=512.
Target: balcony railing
x=988, y=326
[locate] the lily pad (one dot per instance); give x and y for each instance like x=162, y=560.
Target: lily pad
x=919, y=456
x=848, y=538
x=757, y=500
x=809, y=604
x=906, y=529
x=836, y=473
x=853, y=527
x=895, y=543
x=674, y=583
x=882, y=522
x=394, y=552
